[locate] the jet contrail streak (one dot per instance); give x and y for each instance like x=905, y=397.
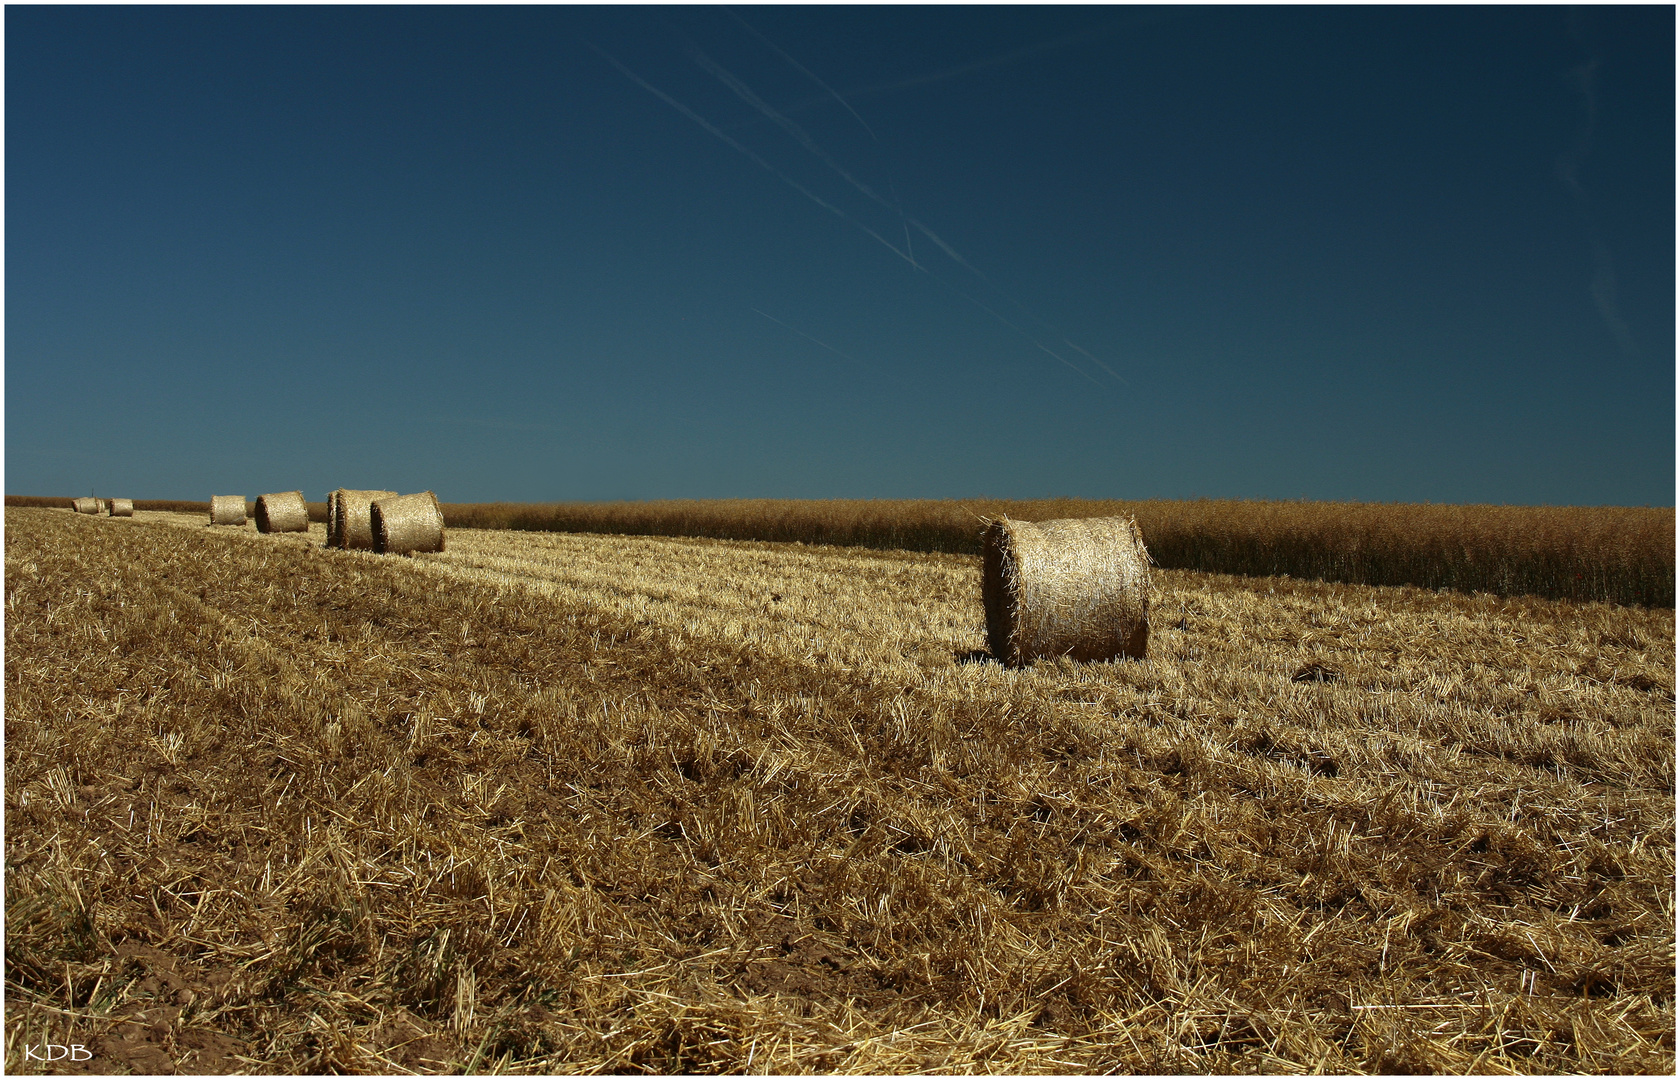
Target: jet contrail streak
x=1012, y=57
x=831, y=208
x=1602, y=288
x=896, y=206
x=951, y=251
x=744, y=92
x=1043, y=347
x=1099, y=363
x=835, y=94
x=806, y=336
x=760, y=162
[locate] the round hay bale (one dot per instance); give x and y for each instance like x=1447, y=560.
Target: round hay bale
x=122, y=507
x=406, y=524
x=227, y=509
x=349, y=517
x=85, y=505
x=282, y=512
x=1075, y=587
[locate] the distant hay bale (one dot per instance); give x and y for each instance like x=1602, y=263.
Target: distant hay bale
x=122, y=507
x=405, y=524
x=349, y=517
x=1076, y=587
x=282, y=512
x=85, y=505
x=227, y=509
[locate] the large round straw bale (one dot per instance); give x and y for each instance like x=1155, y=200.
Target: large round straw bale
x=282, y=512
x=405, y=524
x=349, y=517
x=227, y=509
x=1076, y=587
x=122, y=507
x=86, y=505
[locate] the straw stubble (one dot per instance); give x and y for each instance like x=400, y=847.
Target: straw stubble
x=1074, y=587
x=349, y=517
x=282, y=512
x=407, y=524
x=1455, y=859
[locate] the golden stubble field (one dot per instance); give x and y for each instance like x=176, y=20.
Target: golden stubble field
x=551, y=802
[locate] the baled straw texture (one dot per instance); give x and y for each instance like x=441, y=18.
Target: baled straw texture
x=122, y=507
x=282, y=512
x=1075, y=587
x=349, y=517
x=227, y=509
x=85, y=505
x=407, y=524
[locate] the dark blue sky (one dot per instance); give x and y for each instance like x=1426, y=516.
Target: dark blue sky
x=598, y=253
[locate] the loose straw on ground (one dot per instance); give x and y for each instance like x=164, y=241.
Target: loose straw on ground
x=406, y=524
x=349, y=517
x=227, y=509
x=282, y=512
x=1076, y=587
x=122, y=507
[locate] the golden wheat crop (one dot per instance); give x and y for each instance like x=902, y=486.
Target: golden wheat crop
x=1620, y=554
x=551, y=802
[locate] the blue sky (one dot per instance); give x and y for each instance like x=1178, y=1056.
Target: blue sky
x=1414, y=254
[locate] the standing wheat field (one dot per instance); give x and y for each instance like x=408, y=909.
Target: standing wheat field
x=547, y=802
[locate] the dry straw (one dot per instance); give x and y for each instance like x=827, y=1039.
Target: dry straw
x=349, y=517
x=227, y=509
x=1075, y=587
x=282, y=512
x=122, y=507
x=406, y=524
x=85, y=505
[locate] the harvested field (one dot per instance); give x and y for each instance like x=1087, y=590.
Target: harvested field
x=551, y=802
x=317, y=510
x=1623, y=555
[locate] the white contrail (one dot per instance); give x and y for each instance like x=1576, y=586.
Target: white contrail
x=951, y=251
x=897, y=204
x=835, y=94
x=760, y=162
x=745, y=93
x=988, y=309
x=806, y=336
x=957, y=257
x=1099, y=363
x=831, y=208
x=1003, y=60
x=1602, y=288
